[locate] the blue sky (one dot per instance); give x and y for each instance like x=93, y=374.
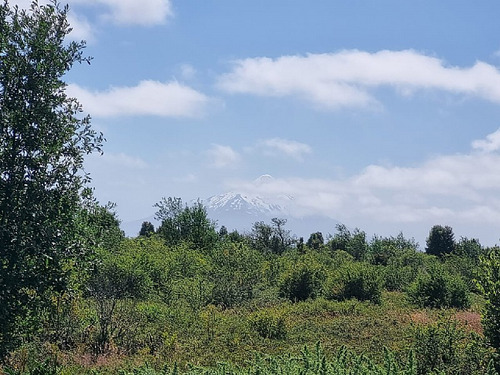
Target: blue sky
x=384, y=115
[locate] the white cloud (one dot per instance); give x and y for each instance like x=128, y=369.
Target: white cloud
x=491, y=143
x=133, y=12
x=147, y=98
x=287, y=147
x=121, y=12
x=461, y=190
x=346, y=78
x=82, y=29
x=145, y=12
x=122, y=160
x=223, y=156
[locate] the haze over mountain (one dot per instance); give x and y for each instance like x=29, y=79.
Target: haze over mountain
x=239, y=210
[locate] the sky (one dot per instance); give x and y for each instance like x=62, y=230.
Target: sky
x=384, y=115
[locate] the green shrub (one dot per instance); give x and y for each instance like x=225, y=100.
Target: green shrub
x=141, y=326
x=438, y=289
x=463, y=266
x=195, y=291
x=489, y=284
x=235, y=273
x=268, y=324
x=397, y=278
x=309, y=362
x=340, y=257
x=301, y=282
x=355, y=280
x=444, y=347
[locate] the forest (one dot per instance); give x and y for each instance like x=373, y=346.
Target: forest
x=190, y=297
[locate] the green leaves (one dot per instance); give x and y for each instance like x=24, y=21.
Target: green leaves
x=441, y=241
x=489, y=284
x=189, y=223
x=437, y=288
x=42, y=143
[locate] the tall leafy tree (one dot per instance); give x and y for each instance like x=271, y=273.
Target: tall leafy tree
x=43, y=141
x=352, y=242
x=441, y=241
x=272, y=238
x=183, y=223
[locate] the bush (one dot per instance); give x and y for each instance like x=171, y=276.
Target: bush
x=142, y=325
x=438, y=289
x=489, y=284
x=269, y=324
x=301, y=282
x=397, y=278
x=235, y=273
x=355, y=280
x=444, y=347
x=463, y=266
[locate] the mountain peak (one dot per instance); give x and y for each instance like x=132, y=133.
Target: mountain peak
x=241, y=202
x=265, y=178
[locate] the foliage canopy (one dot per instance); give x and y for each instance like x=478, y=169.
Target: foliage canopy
x=43, y=140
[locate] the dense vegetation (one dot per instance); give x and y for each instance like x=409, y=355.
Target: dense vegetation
x=77, y=296
x=186, y=297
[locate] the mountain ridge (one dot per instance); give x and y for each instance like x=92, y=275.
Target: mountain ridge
x=240, y=210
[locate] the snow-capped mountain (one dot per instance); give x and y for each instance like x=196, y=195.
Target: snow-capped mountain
x=238, y=210
x=241, y=202
x=250, y=203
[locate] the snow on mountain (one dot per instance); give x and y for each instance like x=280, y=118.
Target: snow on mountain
x=239, y=202
x=251, y=204
x=238, y=210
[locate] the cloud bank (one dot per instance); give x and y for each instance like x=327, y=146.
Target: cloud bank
x=348, y=78
x=463, y=189
x=133, y=12
x=151, y=98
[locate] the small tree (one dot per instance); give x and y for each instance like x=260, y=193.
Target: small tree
x=43, y=140
x=261, y=237
x=441, y=241
x=355, y=280
x=147, y=229
x=469, y=248
x=315, y=241
x=352, y=242
x=302, y=281
x=489, y=285
x=118, y=276
x=185, y=223
x=272, y=238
